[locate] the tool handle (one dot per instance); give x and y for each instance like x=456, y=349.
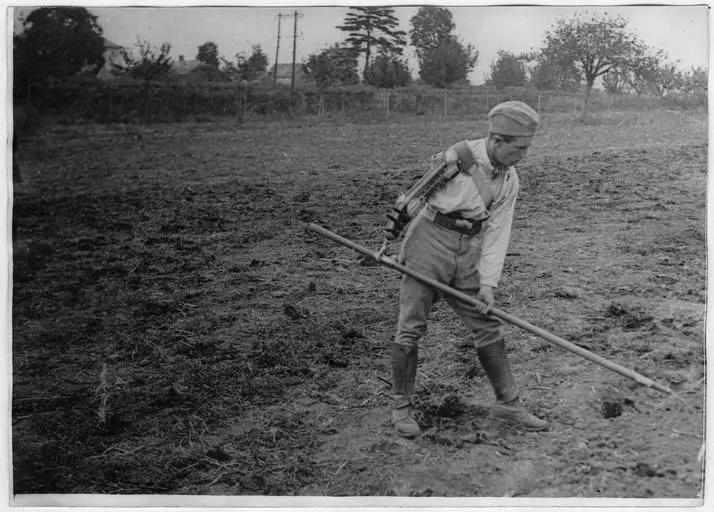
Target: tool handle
x=552, y=338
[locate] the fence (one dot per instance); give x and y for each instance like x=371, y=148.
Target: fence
x=74, y=101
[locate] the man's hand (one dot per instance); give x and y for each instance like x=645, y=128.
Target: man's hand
x=485, y=295
x=397, y=220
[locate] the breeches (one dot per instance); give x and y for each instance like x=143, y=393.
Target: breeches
x=450, y=258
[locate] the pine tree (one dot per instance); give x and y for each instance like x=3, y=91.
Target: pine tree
x=371, y=28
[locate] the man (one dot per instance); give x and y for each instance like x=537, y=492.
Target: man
x=459, y=237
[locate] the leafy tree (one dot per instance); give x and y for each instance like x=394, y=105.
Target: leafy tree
x=614, y=81
x=250, y=68
x=207, y=73
x=208, y=54
x=695, y=80
x=651, y=74
x=430, y=26
x=388, y=71
x=335, y=65
x=508, y=70
x=641, y=73
x=547, y=75
x=148, y=64
x=448, y=63
x=373, y=28
x=230, y=69
x=254, y=66
x=666, y=78
x=595, y=45
x=56, y=42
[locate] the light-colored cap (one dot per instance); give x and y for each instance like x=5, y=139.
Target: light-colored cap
x=513, y=118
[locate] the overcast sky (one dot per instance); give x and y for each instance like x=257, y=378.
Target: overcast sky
x=682, y=31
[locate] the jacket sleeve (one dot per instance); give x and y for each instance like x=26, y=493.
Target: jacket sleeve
x=496, y=232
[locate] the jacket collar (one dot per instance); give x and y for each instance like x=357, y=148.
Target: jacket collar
x=483, y=157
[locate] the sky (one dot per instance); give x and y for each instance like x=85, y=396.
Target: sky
x=680, y=30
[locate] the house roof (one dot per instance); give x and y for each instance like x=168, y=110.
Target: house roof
x=286, y=70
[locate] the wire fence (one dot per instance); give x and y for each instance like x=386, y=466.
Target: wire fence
x=141, y=102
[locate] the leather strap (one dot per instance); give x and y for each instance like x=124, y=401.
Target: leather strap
x=467, y=164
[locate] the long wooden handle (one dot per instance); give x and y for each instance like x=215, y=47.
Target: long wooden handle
x=552, y=338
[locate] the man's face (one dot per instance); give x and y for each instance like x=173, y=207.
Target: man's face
x=510, y=153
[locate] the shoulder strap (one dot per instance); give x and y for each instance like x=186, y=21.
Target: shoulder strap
x=467, y=164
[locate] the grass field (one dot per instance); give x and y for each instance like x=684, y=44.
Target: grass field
x=176, y=330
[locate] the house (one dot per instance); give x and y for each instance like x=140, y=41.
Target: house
x=284, y=76
x=183, y=66
x=112, y=57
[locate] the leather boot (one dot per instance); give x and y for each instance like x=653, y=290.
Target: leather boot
x=404, y=366
x=495, y=363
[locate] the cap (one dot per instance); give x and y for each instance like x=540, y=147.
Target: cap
x=513, y=118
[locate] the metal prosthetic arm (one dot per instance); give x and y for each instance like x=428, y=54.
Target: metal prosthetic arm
x=443, y=167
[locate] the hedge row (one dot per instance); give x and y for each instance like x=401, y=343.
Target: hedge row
x=79, y=100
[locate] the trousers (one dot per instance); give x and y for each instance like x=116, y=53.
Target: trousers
x=449, y=257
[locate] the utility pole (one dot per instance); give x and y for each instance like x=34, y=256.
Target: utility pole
x=277, y=49
x=292, y=79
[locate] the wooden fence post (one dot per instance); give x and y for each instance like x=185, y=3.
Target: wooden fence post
x=538, y=109
x=445, y=100
x=386, y=103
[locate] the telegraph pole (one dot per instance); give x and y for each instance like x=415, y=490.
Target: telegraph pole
x=292, y=79
x=277, y=49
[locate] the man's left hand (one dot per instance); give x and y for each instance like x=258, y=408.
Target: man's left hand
x=485, y=295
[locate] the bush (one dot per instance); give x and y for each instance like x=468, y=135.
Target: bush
x=126, y=100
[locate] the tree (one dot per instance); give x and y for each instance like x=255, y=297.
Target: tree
x=56, y=42
x=371, y=28
x=250, y=68
x=208, y=54
x=614, y=81
x=544, y=74
x=666, y=78
x=508, y=70
x=595, y=45
x=651, y=74
x=207, y=73
x=388, y=71
x=230, y=69
x=148, y=64
x=448, y=63
x=254, y=66
x=695, y=80
x=430, y=27
x=335, y=65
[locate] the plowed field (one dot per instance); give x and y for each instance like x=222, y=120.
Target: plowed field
x=177, y=331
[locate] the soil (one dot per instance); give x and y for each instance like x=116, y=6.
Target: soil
x=177, y=331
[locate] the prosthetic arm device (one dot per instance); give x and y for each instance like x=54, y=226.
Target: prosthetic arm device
x=444, y=166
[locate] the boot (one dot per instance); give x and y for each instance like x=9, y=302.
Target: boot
x=404, y=366
x=515, y=411
x=495, y=363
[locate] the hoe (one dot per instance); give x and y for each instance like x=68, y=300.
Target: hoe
x=556, y=340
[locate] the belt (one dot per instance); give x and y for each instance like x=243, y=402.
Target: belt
x=453, y=221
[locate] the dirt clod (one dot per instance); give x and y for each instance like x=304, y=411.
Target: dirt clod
x=611, y=408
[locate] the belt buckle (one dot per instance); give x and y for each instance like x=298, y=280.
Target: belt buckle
x=464, y=226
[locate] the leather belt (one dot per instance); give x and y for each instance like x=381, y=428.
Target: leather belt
x=453, y=221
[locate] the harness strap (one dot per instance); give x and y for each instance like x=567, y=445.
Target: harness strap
x=467, y=164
